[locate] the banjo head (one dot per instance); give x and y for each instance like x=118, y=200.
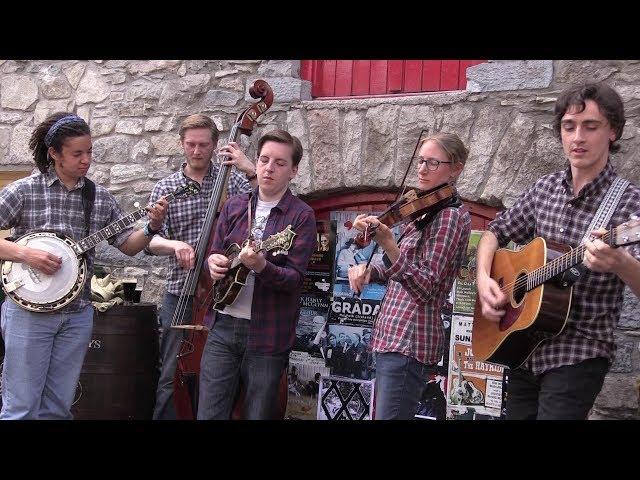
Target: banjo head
x=37, y=291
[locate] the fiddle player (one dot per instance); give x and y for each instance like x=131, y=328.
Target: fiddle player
x=408, y=336
x=250, y=339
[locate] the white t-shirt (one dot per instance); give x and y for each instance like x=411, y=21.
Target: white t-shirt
x=241, y=307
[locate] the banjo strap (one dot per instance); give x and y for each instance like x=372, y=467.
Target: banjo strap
x=88, y=198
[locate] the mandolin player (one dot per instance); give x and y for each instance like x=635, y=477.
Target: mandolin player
x=248, y=345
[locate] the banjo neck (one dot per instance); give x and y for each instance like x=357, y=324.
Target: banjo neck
x=112, y=229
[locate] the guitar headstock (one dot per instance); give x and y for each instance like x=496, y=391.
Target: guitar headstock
x=627, y=233
x=281, y=242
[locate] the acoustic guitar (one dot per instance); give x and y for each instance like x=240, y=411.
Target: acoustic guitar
x=538, y=283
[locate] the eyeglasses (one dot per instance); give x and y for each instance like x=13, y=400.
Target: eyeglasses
x=432, y=163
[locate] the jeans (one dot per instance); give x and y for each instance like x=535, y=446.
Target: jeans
x=226, y=365
x=400, y=381
x=563, y=393
x=169, y=346
x=44, y=353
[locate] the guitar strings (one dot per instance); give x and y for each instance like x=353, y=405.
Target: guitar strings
x=549, y=268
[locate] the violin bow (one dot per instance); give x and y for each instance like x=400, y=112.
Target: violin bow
x=404, y=188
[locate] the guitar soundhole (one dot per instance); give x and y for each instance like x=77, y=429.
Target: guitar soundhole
x=520, y=288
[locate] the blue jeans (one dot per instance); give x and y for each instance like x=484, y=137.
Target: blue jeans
x=226, y=365
x=400, y=381
x=169, y=346
x=44, y=353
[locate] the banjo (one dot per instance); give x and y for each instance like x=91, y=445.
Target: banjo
x=34, y=290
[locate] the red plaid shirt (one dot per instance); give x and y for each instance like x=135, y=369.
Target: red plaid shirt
x=276, y=295
x=549, y=209
x=419, y=282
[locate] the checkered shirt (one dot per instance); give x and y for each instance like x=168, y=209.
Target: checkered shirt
x=419, y=282
x=549, y=209
x=185, y=215
x=42, y=202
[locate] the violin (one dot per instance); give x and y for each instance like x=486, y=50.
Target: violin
x=409, y=207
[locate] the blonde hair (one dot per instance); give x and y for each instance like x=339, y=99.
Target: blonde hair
x=451, y=144
x=199, y=121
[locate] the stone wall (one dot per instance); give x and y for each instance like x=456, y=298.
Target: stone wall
x=134, y=109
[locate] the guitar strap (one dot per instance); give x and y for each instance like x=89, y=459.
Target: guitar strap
x=608, y=206
x=88, y=199
x=600, y=219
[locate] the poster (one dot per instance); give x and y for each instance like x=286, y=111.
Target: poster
x=311, y=328
x=345, y=399
x=349, y=250
x=348, y=352
x=474, y=387
x=303, y=378
x=319, y=276
x=465, y=284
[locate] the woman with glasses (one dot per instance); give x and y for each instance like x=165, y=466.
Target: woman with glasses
x=408, y=336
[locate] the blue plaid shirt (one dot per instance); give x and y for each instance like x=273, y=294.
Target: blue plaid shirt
x=42, y=202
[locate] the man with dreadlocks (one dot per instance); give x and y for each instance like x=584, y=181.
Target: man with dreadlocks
x=44, y=352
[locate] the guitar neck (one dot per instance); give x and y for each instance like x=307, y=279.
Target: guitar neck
x=114, y=228
x=562, y=263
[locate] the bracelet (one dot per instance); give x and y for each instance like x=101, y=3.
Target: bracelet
x=148, y=231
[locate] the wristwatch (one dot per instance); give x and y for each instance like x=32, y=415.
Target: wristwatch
x=252, y=176
x=148, y=231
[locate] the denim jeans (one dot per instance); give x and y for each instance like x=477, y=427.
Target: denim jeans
x=169, y=345
x=226, y=365
x=400, y=381
x=44, y=353
x=563, y=393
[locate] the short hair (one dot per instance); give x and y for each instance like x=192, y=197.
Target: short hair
x=76, y=128
x=282, y=136
x=451, y=144
x=199, y=121
x=608, y=100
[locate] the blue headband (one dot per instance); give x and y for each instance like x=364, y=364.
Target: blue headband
x=71, y=118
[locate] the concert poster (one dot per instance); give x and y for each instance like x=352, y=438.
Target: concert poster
x=465, y=282
x=303, y=379
x=346, y=308
x=319, y=277
x=345, y=399
x=348, y=352
x=474, y=387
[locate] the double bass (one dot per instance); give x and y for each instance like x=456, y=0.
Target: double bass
x=198, y=283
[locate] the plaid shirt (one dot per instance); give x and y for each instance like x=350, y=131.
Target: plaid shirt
x=549, y=209
x=276, y=295
x=42, y=202
x=409, y=321
x=185, y=215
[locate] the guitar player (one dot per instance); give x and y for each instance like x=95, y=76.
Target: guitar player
x=563, y=376
x=44, y=351
x=250, y=339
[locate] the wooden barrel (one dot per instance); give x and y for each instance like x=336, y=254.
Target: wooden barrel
x=120, y=372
